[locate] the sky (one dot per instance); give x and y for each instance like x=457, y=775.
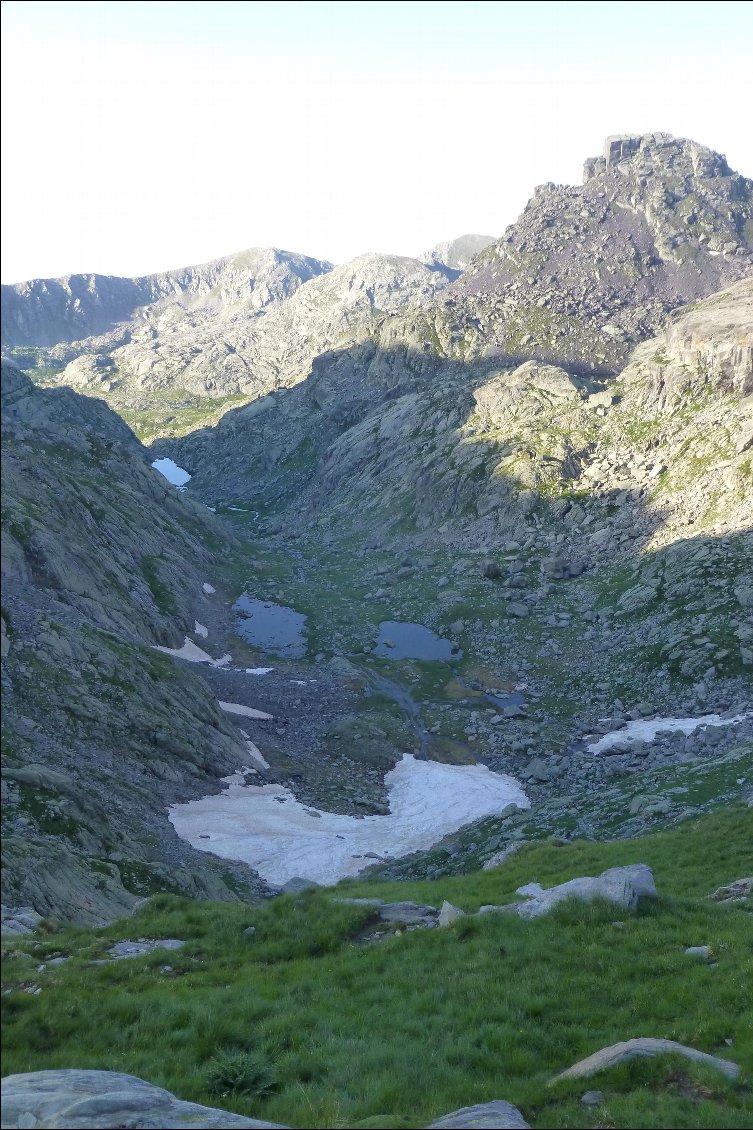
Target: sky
x=139, y=137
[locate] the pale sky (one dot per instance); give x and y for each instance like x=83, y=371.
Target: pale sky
x=138, y=137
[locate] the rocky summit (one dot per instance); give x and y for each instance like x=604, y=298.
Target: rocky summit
x=431, y=577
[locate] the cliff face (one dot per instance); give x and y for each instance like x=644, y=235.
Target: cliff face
x=101, y=558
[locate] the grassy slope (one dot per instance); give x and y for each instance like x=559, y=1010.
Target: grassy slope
x=394, y=1034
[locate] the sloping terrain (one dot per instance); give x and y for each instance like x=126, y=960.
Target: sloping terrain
x=101, y=559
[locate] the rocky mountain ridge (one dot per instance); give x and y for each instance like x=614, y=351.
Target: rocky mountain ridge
x=587, y=272
x=45, y=312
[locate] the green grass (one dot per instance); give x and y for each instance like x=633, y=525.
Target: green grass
x=163, y=598
x=302, y=1023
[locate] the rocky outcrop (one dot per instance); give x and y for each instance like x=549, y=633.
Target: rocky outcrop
x=644, y=1047
x=88, y=1100
x=624, y=886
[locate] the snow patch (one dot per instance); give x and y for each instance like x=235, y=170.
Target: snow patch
x=275, y=834
x=193, y=653
x=200, y=629
x=259, y=670
x=644, y=730
x=208, y=589
x=248, y=711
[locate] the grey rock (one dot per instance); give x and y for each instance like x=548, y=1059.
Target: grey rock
x=409, y=914
x=449, y=914
x=699, y=951
x=89, y=1100
x=456, y=253
x=496, y=1115
x=124, y=950
x=19, y=920
x=502, y=856
x=644, y=1046
x=623, y=886
x=739, y=891
x=592, y=1098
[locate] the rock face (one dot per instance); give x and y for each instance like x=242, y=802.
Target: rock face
x=644, y=1046
x=101, y=560
x=88, y=1100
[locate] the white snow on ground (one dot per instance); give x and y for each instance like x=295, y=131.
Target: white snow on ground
x=200, y=629
x=275, y=834
x=258, y=670
x=256, y=755
x=193, y=653
x=208, y=589
x=644, y=730
x=237, y=708
x=172, y=472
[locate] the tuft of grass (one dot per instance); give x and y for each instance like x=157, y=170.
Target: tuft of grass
x=237, y=1072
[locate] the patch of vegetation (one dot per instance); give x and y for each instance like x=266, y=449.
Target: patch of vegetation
x=163, y=598
x=302, y=1023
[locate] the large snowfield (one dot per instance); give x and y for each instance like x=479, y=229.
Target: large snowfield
x=266, y=827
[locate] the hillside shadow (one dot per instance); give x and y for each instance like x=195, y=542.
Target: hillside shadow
x=303, y=444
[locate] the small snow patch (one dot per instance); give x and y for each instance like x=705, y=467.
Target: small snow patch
x=248, y=711
x=259, y=670
x=256, y=755
x=207, y=588
x=200, y=629
x=192, y=653
x=645, y=730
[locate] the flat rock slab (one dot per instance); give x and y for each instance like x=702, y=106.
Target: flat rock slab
x=143, y=946
x=645, y=1046
x=89, y=1100
x=496, y=1115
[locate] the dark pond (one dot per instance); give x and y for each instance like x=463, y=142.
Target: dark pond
x=413, y=641
x=271, y=627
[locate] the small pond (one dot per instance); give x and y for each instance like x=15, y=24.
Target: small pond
x=271, y=627
x=171, y=471
x=398, y=640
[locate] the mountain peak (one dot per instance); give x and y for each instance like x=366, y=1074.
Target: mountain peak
x=646, y=154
